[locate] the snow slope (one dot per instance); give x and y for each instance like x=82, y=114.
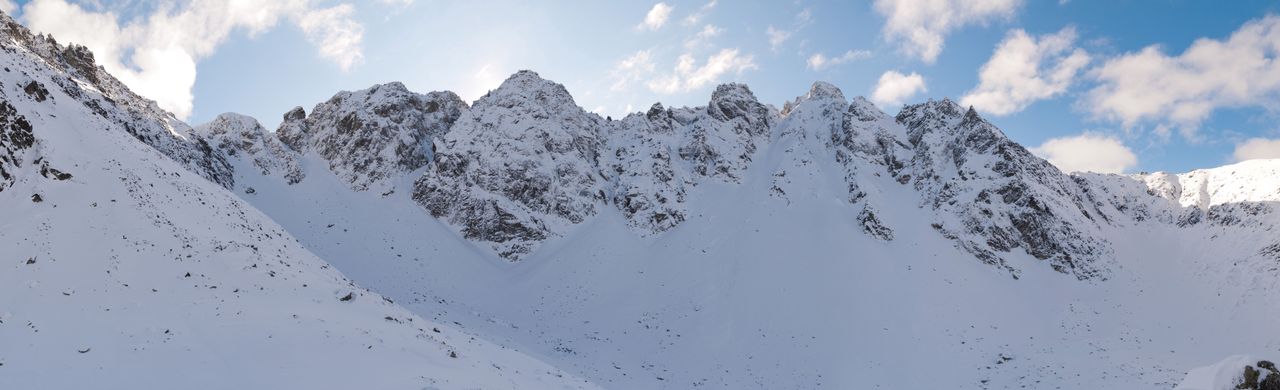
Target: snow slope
x=1232, y=374
x=123, y=266
x=824, y=245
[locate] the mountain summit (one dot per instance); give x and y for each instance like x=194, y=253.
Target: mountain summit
x=523, y=242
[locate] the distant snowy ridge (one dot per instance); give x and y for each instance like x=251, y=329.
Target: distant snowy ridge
x=525, y=164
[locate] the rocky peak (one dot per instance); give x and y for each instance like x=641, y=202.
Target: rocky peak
x=655, y=111
x=863, y=110
x=248, y=145
x=230, y=122
x=530, y=91
x=732, y=101
x=930, y=116
x=819, y=113
x=373, y=135
x=519, y=166
x=296, y=114
x=820, y=92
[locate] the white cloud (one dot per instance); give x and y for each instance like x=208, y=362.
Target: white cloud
x=1257, y=148
x=631, y=69
x=697, y=16
x=1181, y=91
x=688, y=76
x=656, y=18
x=804, y=17
x=7, y=6
x=894, y=87
x=777, y=37
x=1087, y=153
x=1025, y=69
x=703, y=37
x=333, y=31
x=162, y=49
x=921, y=26
x=820, y=61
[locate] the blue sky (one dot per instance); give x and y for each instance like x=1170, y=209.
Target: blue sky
x=1091, y=85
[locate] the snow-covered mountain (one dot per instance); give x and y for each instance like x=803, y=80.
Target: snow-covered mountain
x=826, y=244
x=372, y=136
x=823, y=245
x=127, y=264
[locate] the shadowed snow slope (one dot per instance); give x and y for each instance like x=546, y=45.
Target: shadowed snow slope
x=122, y=268
x=824, y=245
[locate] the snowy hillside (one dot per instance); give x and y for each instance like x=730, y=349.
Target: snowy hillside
x=824, y=245
x=124, y=268
x=523, y=242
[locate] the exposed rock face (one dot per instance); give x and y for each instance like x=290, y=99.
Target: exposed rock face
x=654, y=158
x=526, y=164
x=1260, y=376
x=994, y=196
x=239, y=137
x=643, y=163
x=823, y=129
x=722, y=144
x=373, y=135
x=110, y=99
x=518, y=167
x=15, y=138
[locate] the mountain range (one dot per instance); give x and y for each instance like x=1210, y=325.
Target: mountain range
x=392, y=239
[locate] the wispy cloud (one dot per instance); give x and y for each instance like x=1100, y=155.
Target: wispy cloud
x=779, y=36
x=687, y=76
x=820, y=61
x=696, y=17
x=631, y=69
x=703, y=37
x=776, y=37
x=656, y=17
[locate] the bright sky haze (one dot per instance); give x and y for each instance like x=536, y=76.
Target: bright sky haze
x=1107, y=86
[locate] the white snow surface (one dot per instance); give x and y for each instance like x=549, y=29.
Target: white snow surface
x=827, y=245
x=121, y=268
x=1223, y=375
x=775, y=277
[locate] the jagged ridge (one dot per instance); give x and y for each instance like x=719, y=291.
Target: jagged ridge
x=526, y=164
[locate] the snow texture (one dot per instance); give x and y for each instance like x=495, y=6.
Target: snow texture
x=123, y=268
x=824, y=245
x=827, y=244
